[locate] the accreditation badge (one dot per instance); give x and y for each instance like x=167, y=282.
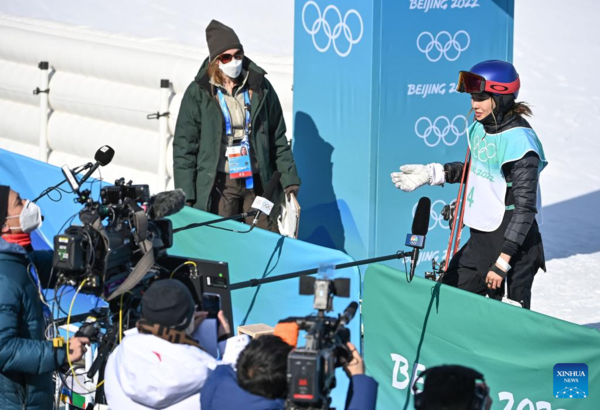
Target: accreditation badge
x=239, y=162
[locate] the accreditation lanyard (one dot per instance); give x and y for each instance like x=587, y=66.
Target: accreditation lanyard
x=241, y=171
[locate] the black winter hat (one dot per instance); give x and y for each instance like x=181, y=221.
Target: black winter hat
x=169, y=303
x=220, y=38
x=4, y=190
x=449, y=384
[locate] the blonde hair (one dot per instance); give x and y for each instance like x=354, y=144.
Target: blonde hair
x=214, y=72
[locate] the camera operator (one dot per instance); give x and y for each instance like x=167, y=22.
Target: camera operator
x=453, y=387
x=261, y=380
x=27, y=360
x=161, y=366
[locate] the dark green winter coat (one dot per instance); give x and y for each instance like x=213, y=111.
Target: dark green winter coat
x=200, y=128
x=27, y=360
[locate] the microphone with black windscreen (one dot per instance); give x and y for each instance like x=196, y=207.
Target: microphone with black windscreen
x=166, y=203
x=348, y=314
x=263, y=203
x=103, y=157
x=420, y=226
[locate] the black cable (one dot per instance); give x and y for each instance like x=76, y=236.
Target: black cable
x=226, y=218
x=230, y=206
x=56, y=188
x=99, y=180
x=62, y=293
x=68, y=221
x=265, y=274
x=230, y=230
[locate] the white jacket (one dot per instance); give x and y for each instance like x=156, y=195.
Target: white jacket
x=147, y=372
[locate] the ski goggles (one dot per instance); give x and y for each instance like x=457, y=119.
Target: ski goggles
x=474, y=84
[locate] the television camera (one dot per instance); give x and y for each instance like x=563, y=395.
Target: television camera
x=118, y=250
x=311, y=369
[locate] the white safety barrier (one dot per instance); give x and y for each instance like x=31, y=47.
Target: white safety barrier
x=65, y=91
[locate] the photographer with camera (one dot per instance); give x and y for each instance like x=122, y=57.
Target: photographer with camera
x=160, y=366
x=27, y=359
x=452, y=387
x=261, y=380
x=275, y=374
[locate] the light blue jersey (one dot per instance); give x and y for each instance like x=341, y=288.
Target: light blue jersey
x=486, y=188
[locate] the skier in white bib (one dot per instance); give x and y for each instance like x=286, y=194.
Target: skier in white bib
x=501, y=188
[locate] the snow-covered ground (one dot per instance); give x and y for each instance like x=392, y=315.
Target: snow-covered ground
x=556, y=53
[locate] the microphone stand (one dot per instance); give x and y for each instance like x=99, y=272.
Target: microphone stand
x=256, y=282
x=198, y=224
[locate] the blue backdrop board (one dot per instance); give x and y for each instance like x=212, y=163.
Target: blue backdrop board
x=374, y=88
x=253, y=255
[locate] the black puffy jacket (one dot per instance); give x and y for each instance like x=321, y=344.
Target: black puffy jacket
x=524, y=175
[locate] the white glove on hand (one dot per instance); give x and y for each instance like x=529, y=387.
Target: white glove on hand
x=414, y=176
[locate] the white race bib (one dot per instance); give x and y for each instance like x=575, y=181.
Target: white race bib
x=486, y=190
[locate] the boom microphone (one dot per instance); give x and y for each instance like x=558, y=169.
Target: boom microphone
x=166, y=203
x=103, y=157
x=420, y=227
x=263, y=203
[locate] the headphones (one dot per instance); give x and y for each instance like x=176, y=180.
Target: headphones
x=481, y=390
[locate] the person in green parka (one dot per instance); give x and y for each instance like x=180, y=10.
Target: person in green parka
x=230, y=135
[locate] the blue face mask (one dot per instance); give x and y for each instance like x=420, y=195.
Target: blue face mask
x=30, y=218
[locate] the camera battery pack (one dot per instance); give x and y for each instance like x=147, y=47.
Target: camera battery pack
x=304, y=368
x=68, y=253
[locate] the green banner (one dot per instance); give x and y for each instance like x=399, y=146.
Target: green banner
x=409, y=327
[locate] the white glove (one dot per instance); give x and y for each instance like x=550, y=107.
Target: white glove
x=414, y=176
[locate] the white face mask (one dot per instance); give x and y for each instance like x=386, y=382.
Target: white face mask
x=30, y=217
x=232, y=69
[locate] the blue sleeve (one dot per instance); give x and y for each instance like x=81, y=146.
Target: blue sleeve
x=362, y=393
x=17, y=354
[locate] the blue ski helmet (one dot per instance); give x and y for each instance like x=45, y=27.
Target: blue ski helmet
x=492, y=76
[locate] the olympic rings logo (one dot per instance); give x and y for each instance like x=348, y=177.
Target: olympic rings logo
x=436, y=48
x=482, y=150
x=338, y=29
x=440, y=128
x=435, y=217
